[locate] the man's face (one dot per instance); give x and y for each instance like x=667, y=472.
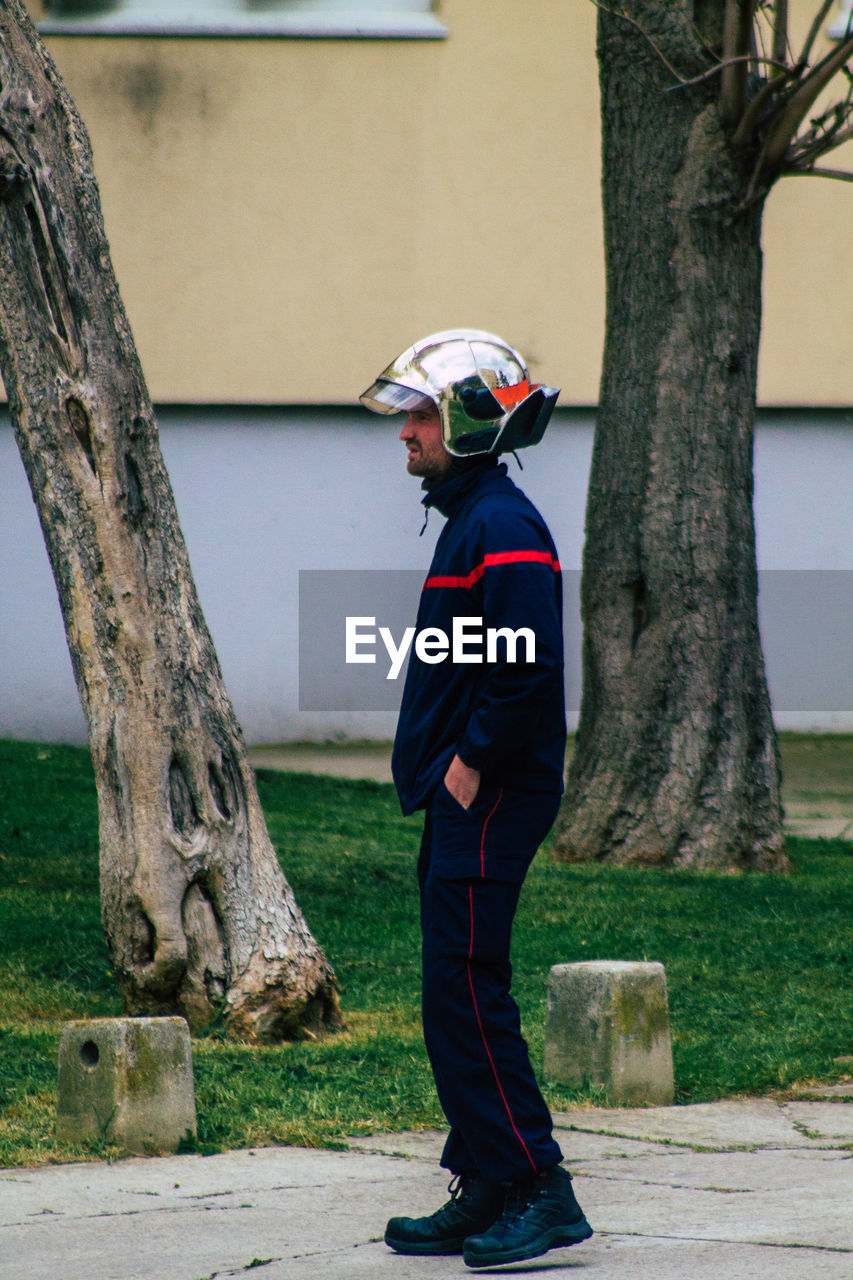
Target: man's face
x=421, y=434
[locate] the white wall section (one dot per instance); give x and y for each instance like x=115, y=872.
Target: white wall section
x=263, y=493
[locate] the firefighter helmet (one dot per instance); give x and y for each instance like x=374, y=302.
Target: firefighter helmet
x=480, y=386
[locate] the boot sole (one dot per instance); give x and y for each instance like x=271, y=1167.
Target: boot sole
x=556, y=1238
x=438, y=1248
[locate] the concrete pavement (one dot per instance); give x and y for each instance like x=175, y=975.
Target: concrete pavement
x=330, y=759
x=735, y=1189
x=739, y=1190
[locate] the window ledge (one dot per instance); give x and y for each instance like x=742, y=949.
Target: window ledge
x=380, y=26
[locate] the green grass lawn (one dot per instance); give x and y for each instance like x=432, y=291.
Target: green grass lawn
x=758, y=967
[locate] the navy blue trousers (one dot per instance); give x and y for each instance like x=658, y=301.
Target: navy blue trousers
x=470, y=870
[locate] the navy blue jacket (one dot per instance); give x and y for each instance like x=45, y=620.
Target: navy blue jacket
x=495, y=560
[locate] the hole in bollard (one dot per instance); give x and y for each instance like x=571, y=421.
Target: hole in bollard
x=90, y=1053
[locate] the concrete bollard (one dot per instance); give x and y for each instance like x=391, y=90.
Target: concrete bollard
x=608, y=1023
x=129, y=1080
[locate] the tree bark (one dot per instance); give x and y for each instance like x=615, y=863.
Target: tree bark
x=676, y=760
x=198, y=915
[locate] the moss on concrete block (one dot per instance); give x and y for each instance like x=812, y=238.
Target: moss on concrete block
x=607, y=1023
x=128, y=1080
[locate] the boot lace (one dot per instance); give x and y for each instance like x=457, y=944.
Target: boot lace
x=519, y=1197
x=456, y=1187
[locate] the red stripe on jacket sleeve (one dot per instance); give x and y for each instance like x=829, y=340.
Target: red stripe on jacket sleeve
x=490, y=561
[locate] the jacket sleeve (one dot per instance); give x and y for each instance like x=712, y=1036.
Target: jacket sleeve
x=520, y=588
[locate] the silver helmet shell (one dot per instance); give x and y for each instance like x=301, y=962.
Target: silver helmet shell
x=480, y=386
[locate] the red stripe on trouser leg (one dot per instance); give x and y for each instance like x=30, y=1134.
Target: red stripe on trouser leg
x=483, y=848
x=483, y=1034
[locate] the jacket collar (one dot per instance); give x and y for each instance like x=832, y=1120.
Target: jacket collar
x=451, y=494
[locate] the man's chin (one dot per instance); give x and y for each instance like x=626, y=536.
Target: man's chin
x=426, y=468
x=421, y=468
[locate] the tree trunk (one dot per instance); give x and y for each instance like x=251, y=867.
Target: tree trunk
x=676, y=760
x=198, y=916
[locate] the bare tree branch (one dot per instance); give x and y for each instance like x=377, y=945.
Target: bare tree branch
x=823, y=136
x=619, y=13
x=805, y=156
x=785, y=129
x=721, y=66
x=737, y=29
x=797, y=85
x=743, y=135
x=840, y=174
x=780, y=31
x=814, y=30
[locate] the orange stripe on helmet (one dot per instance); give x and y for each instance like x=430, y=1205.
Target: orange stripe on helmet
x=512, y=395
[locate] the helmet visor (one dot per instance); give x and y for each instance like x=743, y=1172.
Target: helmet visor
x=391, y=397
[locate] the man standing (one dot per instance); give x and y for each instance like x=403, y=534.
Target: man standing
x=480, y=746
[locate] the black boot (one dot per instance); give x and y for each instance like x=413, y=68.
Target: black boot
x=473, y=1206
x=540, y=1214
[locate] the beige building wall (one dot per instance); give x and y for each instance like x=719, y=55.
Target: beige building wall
x=285, y=215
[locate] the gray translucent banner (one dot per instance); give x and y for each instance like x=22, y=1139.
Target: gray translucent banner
x=806, y=619
x=327, y=597
x=806, y=626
